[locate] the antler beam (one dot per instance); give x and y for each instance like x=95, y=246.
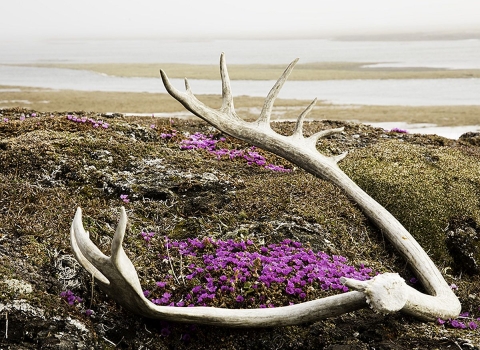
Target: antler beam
x=385, y=293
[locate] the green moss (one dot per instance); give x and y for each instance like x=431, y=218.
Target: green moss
x=424, y=187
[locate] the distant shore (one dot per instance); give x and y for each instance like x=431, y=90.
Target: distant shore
x=248, y=107
x=306, y=71
x=148, y=103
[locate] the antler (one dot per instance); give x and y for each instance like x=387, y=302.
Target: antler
x=385, y=293
x=302, y=151
x=117, y=276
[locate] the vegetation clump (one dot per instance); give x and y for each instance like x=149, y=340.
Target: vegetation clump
x=245, y=273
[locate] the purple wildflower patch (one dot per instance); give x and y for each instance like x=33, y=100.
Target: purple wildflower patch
x=398, y=130
x=210, y=144
x=85, y=120
x=219, y=273
x=464, y=321
x=70, y=298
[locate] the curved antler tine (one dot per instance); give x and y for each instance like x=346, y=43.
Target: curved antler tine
x=172, y=90
x=86, y=253
x=301, y=118
x=117, y=248
x=227, y=98
x=119, y=259
x=187, y=99
x=264, y=118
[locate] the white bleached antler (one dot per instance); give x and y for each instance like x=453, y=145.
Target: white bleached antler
x=302, y=151
x=116, y=275
x=385, y=293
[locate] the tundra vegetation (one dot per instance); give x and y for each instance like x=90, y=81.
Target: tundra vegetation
x=52, y=162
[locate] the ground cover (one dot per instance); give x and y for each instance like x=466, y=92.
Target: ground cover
x=52, y=162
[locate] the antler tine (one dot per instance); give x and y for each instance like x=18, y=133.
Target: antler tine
x=301, y=118
x=227, y=98
x=117, y=248
x=264, y=118
x=86, y=253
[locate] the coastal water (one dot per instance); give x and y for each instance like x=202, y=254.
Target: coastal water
x=452, y=54
x=447, y=54
x=408, y=92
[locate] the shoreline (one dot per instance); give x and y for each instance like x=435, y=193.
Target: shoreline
x=302, y=71
x=44, y=100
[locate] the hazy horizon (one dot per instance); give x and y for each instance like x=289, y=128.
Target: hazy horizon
x=212, y=19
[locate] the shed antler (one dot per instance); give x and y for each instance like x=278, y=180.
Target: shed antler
x=302, y=151
x=385, y=293
x=116, y=275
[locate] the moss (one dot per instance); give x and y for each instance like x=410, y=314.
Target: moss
x=425, y=187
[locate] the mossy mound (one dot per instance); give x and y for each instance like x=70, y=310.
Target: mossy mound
x=426, y=187
x=50, y=165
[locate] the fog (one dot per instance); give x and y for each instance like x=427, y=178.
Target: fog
x=50, y=19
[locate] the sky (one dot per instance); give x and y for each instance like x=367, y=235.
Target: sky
x=49, y=19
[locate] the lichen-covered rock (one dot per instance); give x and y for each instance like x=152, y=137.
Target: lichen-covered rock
x=463, y=241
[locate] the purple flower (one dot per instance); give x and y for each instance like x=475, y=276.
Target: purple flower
x=240, y=299
x=397, y=130
x=147, y=236
x=124, y=198
x=70, y=298
x=457, y=324
x=89, y=312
